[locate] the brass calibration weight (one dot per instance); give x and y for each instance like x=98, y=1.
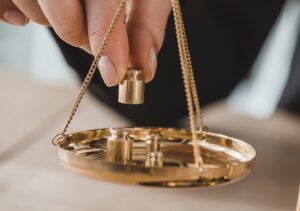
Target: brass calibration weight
x=119, y=146
x=131, y=88
x=154, y=156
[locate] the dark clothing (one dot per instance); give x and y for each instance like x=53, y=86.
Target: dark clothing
x=225, y=38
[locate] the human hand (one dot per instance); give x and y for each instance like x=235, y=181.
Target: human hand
x=83, y=24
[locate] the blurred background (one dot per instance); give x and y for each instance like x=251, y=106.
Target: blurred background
x=31, y=52
x=37, y=88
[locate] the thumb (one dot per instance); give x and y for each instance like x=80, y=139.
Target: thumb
x=146, y=22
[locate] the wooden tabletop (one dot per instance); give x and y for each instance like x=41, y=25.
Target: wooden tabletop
x=31, y=177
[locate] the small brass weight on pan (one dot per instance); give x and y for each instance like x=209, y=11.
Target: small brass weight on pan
x=154, y=156
x=119, y=146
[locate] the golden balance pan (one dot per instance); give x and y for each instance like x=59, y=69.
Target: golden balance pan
x=156, y=157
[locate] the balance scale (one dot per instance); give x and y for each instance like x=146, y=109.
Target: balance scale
x=154, y=156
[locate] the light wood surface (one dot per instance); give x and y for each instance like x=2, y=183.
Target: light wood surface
x=32, y=179
x=298, y=202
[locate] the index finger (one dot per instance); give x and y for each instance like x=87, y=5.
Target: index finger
x=113, y=64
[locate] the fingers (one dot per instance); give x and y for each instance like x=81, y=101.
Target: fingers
x=146, y=22
x=68, y=20
x=32, y=10
x=113, y=64
x=143, y=33
x=11, y=14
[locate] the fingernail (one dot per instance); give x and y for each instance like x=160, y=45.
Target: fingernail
x=108, y=71
x=15, y=17
x=153, y=61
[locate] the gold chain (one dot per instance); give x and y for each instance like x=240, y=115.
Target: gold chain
x=60, y=137
x=189, y=81
x=187, y=72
